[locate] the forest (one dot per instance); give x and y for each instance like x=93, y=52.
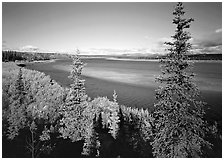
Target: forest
x=38, y=114
x=42, y=119
x=8, y=56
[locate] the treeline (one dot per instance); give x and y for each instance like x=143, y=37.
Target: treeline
x=158, y=56
x=29, y=56
x=205, y=57
x=189, y=57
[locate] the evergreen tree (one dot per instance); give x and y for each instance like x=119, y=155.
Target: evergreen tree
x=73, y=123
x=114, y=117
x=179, y=126
x=16, y=118
x=91, y=146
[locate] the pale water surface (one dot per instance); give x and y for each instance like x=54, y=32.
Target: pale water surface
x=143, y=73
x=134, y=81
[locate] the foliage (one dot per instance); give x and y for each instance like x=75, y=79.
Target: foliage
x=179, y=125
x=91, y=146
x=45, y=102
x=102, y=119
x=136, y=129
x=109, y=113
x=34, y=101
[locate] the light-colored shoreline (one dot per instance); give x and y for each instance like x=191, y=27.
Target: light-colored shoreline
x=44, y=61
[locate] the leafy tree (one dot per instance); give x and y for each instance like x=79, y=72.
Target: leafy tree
x=74, y=122
x=32, y=114
x=179, y=126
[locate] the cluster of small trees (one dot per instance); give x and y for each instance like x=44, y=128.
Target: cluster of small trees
x=41, y=108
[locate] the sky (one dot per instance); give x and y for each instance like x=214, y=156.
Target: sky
x=105, y=27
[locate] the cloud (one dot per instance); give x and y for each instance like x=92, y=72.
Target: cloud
x=218, y=30
x=29, y=48
x=211, y=50
x=209, y=44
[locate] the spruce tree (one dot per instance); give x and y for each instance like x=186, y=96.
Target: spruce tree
x=114, y=117
x=17, y=111
x=179, y=126
x=91, y=147
x=73, y=123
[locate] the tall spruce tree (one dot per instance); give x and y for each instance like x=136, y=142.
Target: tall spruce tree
x=179, y=126
x=17, y=108
x=74, y=121
x=114, y=117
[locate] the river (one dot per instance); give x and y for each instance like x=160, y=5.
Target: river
x=134, y=81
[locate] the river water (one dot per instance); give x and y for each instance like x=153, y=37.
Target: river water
x=134, y=81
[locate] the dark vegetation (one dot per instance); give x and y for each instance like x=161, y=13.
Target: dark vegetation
x=8, y=56
x=42, y=119
x=205, y=56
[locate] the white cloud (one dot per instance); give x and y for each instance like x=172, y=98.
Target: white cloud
x=218, y=30
x=29, y=48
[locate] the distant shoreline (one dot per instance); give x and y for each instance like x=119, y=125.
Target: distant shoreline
x=157, y=60
x=129, y=59
x=44, y=61
x=117, y=59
